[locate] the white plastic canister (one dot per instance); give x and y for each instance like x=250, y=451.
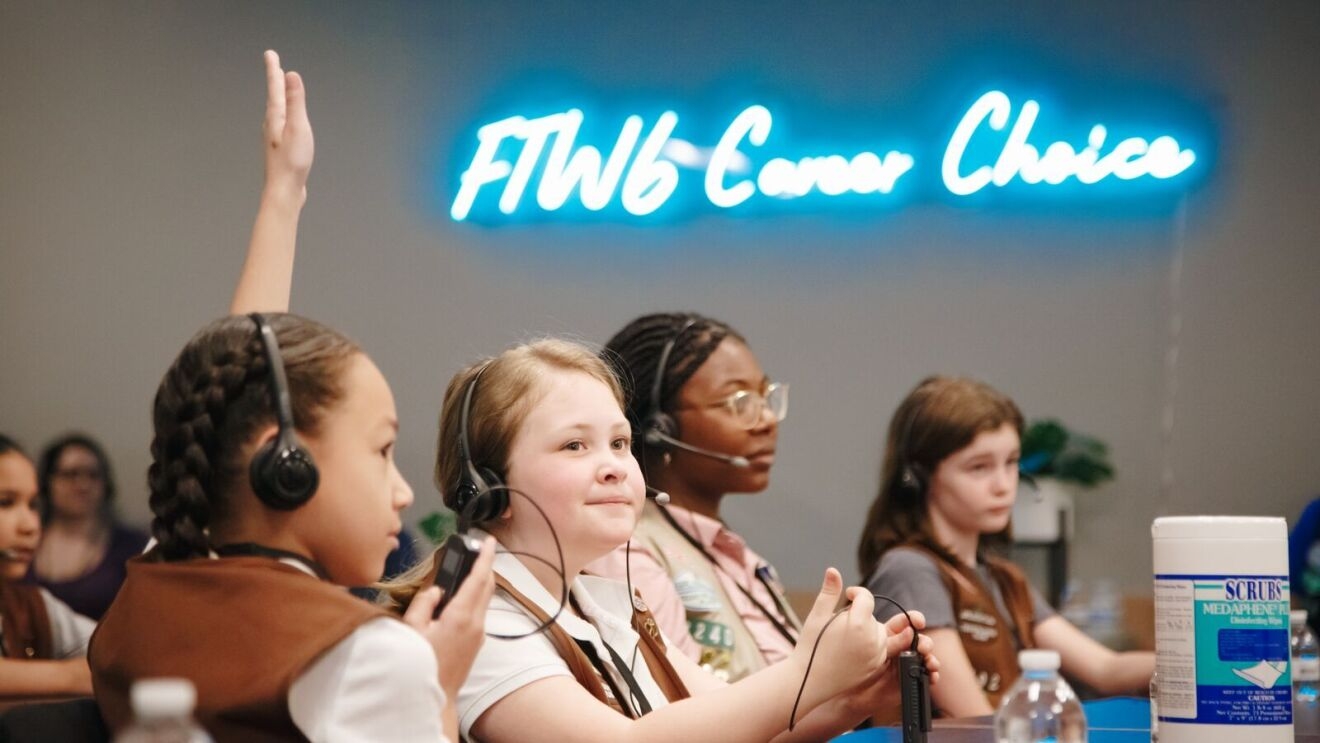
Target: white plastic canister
x=1221, y=629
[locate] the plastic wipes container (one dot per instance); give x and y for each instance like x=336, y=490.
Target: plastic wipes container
x=1221, y=629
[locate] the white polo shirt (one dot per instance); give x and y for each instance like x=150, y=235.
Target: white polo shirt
x=504, y=666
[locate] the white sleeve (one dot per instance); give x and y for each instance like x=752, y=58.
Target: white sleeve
x=504, y=666
x=379, y=683
x=69, y=630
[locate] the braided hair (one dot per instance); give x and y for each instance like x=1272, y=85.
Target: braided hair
x=634, y=353
x=213, y=400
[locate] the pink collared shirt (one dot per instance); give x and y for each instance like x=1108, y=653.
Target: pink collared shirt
x=737, y=565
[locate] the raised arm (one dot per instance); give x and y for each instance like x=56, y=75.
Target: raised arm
x=267, y=276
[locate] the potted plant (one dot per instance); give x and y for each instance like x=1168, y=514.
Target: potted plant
x=1055, y=463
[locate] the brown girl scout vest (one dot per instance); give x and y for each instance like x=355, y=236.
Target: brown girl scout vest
x=242, y=629
x=991, y=641
x=24, y=623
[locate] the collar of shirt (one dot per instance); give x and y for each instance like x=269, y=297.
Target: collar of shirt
x=711, y=534
x=605, y=602
x=282, y=560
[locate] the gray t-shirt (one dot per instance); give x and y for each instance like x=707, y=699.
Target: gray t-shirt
x=912, y=578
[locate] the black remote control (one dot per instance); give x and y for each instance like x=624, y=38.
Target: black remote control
x=914, y=688
x=460, y=551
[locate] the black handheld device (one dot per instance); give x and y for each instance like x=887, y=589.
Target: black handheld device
x=914, y=689
x=460, y=551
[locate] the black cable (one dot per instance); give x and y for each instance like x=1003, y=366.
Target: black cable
x=792, y=717
x=465, y=522
x=696, y=544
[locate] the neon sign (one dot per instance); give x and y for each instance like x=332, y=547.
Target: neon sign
x=993, y=147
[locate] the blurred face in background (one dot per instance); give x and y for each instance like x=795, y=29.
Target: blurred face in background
x=77, y=484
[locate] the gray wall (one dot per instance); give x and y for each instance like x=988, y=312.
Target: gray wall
x=129, y=171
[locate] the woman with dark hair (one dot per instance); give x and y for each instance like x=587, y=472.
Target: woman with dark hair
x=81, y=558
x=949, y=478
x=705, y=419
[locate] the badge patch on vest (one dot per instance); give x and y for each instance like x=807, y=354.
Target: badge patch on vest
x=698, y=596
x=711, y=634
x=978, y=625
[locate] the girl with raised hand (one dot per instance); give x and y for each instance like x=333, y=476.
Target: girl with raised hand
x=534, y=446
x=705, y=422
x=42, y=640
x=947, y=487
x=273, y=485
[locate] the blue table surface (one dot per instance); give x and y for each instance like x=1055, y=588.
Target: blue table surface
x=1114, y=720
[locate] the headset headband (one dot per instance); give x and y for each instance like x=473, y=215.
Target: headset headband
x=663, y=366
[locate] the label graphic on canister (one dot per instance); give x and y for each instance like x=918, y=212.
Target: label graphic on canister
x=1223, y=649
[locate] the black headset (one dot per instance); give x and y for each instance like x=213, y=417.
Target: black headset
x=659, y=425
x=480, y=494
x=911, y=475
x=282, y=472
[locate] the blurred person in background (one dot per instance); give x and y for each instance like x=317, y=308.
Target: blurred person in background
x=84, y=548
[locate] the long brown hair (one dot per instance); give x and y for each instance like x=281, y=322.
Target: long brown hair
x=939, y=417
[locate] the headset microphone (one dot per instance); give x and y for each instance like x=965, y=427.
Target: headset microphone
x=655, y=437
x=659, y=496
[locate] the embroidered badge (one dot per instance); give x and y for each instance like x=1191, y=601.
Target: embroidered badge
x=698, y=596
x=978, y=625
x=711, y=634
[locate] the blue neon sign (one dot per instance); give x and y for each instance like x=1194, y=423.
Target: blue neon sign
x=538, y=166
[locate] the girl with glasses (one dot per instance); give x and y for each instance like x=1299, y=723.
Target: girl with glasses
x=705, y=421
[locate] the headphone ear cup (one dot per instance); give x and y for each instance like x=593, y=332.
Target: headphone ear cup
x=494, y=497
x=283, y=477
x=482, y=500
x=663, y=424
x=912, y=482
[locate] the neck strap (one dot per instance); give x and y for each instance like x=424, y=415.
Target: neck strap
x=252, y=549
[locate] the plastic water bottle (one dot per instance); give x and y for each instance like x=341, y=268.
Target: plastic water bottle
x=1041, y=707
x=1305, y=659
x=162, y=713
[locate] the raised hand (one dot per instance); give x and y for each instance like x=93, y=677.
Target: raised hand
x=266, y=281
x=286, y=131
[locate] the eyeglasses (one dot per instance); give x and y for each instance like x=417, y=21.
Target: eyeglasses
x=746, y=406
x=78, y=473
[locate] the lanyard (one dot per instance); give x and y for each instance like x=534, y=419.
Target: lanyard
x=639, y=698
x=762, y=574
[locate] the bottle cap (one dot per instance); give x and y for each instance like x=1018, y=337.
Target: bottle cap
x=1039, y=660
x=1297, y=617
x=1219, y=527
x=154, y=699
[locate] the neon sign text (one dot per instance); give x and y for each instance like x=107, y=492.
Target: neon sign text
x=644, y=167
x=1131, y=158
